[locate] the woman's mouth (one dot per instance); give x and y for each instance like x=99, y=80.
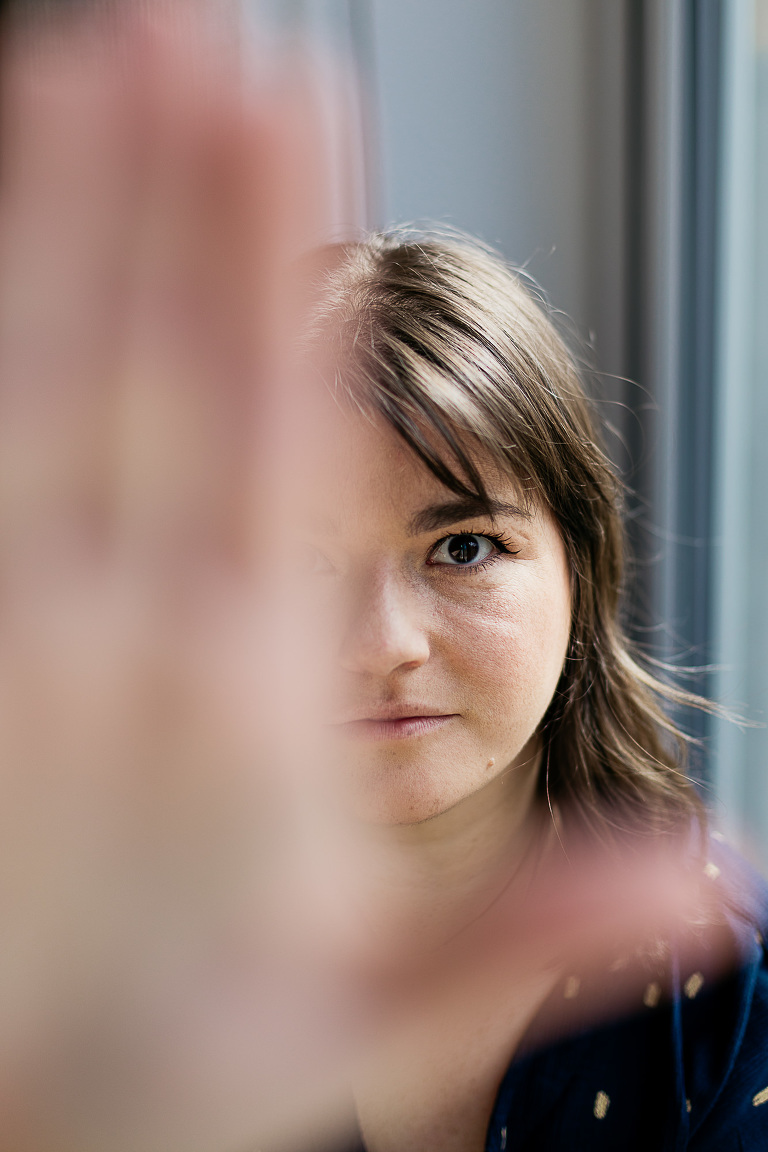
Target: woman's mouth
x=400, y=727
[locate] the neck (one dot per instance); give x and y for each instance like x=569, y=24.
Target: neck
x=433, y=1081
x=440, y=873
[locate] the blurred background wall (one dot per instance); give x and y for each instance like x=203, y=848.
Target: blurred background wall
x=503, y=118
x=484, y=123
x=740, y=617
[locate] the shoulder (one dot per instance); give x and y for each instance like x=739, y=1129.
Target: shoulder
x=723, y=1031
x=685, y=1069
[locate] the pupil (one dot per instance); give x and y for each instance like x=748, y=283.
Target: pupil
x=464, y=549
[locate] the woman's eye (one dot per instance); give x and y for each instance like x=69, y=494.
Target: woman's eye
x=463, y=550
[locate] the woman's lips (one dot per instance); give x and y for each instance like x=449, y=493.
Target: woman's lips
x=397, y=728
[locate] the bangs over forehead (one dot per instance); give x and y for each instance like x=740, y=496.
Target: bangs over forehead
x=446, y=344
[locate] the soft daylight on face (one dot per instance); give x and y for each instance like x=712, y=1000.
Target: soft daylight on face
x=455, y=633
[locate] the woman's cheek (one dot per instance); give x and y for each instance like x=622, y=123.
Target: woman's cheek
x=511, y=643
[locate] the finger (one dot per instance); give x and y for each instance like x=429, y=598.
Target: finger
x=69, y=160
x=216, y=410
x=612, y=932
x=187, y=377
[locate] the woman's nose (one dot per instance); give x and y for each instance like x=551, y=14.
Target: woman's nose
x=386, y=629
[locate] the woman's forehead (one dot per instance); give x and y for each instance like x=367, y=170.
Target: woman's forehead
x=376, y=473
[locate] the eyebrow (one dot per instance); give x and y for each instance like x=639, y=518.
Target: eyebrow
x=442, y=515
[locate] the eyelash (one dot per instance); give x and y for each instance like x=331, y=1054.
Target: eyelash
x=504, y=546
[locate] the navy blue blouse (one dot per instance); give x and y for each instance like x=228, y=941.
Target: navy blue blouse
x=687, y=1070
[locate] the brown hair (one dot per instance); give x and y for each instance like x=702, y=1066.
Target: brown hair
x=454, y=350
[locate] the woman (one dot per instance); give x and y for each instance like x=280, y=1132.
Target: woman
x=495, y=716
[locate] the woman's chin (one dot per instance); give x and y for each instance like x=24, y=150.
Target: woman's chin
x=394, y=812
x=394, y=795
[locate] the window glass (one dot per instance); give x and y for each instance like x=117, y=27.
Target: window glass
x=741, y=759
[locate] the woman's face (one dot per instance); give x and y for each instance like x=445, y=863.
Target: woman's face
x=455, y=630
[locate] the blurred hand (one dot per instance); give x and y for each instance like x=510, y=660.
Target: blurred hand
x=159, y=907
x=184, y=964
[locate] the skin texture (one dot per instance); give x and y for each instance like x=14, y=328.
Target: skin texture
x=483, y=644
